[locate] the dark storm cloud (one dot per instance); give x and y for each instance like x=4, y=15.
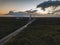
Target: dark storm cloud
x=48, y=4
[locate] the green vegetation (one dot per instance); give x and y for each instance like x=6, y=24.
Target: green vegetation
x=8, y=25
x=44, y=31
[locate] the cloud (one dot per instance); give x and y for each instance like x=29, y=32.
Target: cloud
x=48, y=4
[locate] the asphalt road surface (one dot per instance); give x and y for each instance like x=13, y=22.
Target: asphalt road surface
x=5, y=39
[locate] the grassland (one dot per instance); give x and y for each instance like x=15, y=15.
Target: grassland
x=44, y=31
x=8, y=25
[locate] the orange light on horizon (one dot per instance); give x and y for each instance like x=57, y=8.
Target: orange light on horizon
x=3, y=12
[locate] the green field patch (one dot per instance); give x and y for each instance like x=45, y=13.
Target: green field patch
x=9, y=25
x=41, y=32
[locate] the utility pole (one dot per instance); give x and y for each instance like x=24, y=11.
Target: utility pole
x=30, y=17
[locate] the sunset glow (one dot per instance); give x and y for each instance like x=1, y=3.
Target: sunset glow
x=3, y=12
x=17, y=5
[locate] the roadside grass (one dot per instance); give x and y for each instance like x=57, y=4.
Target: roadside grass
x=8, y=25
x=40, y=32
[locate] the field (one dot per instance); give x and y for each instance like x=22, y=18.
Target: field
x=8, y=25
x=44, y=31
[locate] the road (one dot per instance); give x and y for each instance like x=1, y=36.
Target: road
x=5, y=39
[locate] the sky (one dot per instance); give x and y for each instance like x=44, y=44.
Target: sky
x=18, y=5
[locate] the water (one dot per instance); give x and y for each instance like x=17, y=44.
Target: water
x=14, y=15
x=25, y=15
